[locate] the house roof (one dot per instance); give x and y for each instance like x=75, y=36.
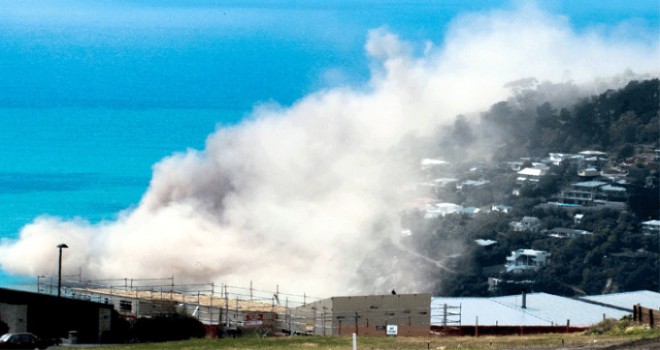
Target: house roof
x=485, y=242
x=532, y=172
x=568, y=231
x=626, y=300
x=542, y=310
x=529, y=252
x=613, y=188
x=593, y=153
x=432, y=162
x=589, y=184
x=469, y=210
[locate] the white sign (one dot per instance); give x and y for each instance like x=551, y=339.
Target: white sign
x=392, y=329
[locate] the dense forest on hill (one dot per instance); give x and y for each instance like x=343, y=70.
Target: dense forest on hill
x=616, y=257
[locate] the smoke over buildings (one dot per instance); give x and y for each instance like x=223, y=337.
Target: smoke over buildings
x=308, y=196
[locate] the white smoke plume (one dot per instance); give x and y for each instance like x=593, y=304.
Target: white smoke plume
x=303, y=196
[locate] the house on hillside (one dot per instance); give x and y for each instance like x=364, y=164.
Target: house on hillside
x=471, y=184
x=558, y=158
x=529, y=177
x=441, y=209
x=589, y=173
x=560, y=232
x=593, y=159
x=651, y=227
x=500, y=208
x=589, y=193
x=581, y=193
x=524, y=260
x=613, y=193
x=528, y=223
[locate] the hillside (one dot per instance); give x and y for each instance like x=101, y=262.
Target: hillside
x=525, y=157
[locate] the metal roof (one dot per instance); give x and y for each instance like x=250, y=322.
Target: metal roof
x=483, y=310
x=532, y=172
x=542, y=310
x=646, y=298
x=589, y=184
x=613, y=188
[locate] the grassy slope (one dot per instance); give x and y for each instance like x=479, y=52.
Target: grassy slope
x=400, y=343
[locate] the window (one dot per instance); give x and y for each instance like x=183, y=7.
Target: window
x=125, y=306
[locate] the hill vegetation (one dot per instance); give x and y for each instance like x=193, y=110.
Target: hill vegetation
x=616, y=256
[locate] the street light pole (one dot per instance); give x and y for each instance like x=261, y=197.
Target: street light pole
x=59, y=270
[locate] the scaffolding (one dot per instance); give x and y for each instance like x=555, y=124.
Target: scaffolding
x=224, y=305
x=237, y=309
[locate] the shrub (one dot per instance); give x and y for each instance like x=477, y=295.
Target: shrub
x=602, y=327
x=167, y=327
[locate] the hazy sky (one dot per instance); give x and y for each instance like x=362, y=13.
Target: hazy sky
x=231, y=54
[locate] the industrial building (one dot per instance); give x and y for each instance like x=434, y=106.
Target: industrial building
x=376, y=315
x=49, y=316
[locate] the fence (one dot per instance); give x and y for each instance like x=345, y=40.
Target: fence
x=229, y=307
x=647, y=316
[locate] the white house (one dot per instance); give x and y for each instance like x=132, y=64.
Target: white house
x=528, y=223
x=522, y=260
x=651, y=227
x=561, y=232
x=441, y=209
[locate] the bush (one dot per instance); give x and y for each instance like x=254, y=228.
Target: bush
x=167, y=327
x=604, y=326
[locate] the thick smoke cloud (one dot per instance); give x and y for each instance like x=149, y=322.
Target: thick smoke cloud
x=308, y=196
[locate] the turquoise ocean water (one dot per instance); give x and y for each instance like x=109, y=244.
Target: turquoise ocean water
x=89, y=163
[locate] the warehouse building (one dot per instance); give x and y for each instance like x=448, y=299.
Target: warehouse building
x=377, y=315
x=50, y=316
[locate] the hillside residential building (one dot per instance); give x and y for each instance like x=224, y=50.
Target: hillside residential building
x=523, y=260
x=500, y=208
x=581, y=193
x=560, y=232
x=528, y=223
x=558, y=158
x=590, y=193
x=471, y=184
x=531, y=174
x=651, y=227
x=441, y=209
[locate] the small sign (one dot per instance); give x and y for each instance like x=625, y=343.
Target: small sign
x=392, y=329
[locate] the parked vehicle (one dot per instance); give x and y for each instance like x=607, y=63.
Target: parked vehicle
x=22, y=341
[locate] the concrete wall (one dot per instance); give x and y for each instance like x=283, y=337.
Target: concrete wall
x=15, y=316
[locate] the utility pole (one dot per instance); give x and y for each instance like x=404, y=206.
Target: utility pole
x=59, y=269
